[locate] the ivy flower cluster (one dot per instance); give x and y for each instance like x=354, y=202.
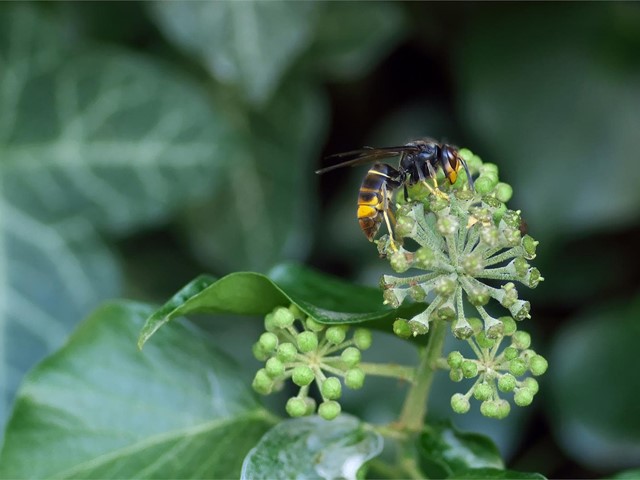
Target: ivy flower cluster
x=465, y=239
x=298, y=348
x=496, y=370
x=472, y=250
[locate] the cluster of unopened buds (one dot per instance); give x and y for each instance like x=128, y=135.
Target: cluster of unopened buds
x=467, y=242
x=298, y=348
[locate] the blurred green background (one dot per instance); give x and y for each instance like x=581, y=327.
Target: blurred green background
x=144, y=143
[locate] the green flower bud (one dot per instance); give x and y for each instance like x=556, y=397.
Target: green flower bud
x=454, y=359
x=302, y=375
x=489, y=408
x=393, y=296
x=351, y=356
x=503, y=192
x=331, y=388
x=512, y=218
x=447, y=225
x=509, y=325
x=314, y=326
x=521, y=340
x=437, y=203
x=538, y=365
x=311, y=405
x=483, y=341
x=282, y=317
x=354, y=378
x=269, y=322
x=296, y=407
x=399, y=262
x=517, y=367
x=523, y=397
x=455, y=375
x=307, y=341
x=531, y=384
x=469, y=369
x=336, y=334
x=473, y=264
x=533, y=278
x=499, y=213
x=510, y=295
x=424, y=258
x=503, y=409
x=479, y=296
x=401, y=328
x=490, y=235
x=417, y=293
x=259, y=353
x=466, y=155
x=521, y=267
x=262, y=382
x=484, y=184
x=329, y=410
x=510, y=353
x=274, y=367
x=529, y=246
x=462, y=329
x=511, y=236
x=463, y=195
x=520, y=310
x=362, y=338
x=445, y=287
x=488, y=168
x=405, y=226
x=296, y=312
x=482, y=391
x=286, y=352
x=476, y=324
x=460, y=403
x=506, y=382
x=268, y=341
x=492, y=202
x=474, y=164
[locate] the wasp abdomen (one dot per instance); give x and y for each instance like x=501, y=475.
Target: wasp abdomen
x=374, y=197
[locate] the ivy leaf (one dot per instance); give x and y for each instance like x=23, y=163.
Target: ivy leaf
x=313, y=448
x=267, y=214
x=445, y=451
x=349, y=40
x=248, y=44
x=489, y=473
x=98, y=408
x=90, y=142
x=591, y=360
x=325, y=299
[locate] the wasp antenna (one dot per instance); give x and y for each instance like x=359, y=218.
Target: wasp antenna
x=466, y=169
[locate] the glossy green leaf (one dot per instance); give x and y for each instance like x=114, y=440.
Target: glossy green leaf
x=551, y=106
x=324, y=298
x=349, y=39
x=90, y=142
x=99, y=408
x=445, y=451
x=490, y=473
x=248, y=44
x=313, y=448
x=595, y=387
x=267, y=215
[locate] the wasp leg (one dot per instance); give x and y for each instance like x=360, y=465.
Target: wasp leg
x=435, y=189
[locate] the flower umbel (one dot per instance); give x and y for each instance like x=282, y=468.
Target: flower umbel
x=465, y=239
x=472, y=250
x=298, y=348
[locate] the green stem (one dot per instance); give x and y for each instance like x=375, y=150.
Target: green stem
x=414, y=409
x=402, y=372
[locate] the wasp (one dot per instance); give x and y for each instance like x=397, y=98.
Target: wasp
x=419, y=161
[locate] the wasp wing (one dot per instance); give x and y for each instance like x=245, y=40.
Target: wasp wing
x=367, y=155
